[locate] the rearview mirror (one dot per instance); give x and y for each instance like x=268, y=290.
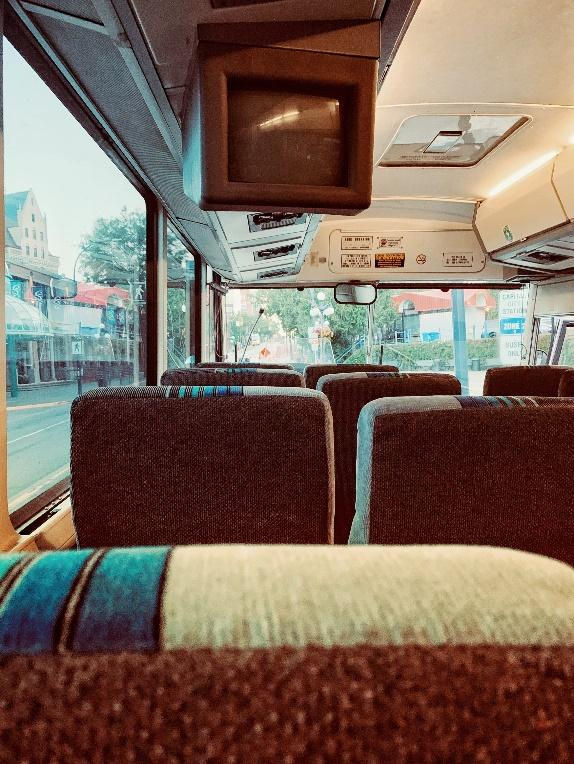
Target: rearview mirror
x=63, y=288
x=355, y=294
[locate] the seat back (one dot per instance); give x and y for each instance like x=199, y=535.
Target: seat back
x=467, y=470
x=315, y=371
x=566, y=386
x=207, y=652
x=226, y=375
x=347, y=394
x=202, y=465
x=523, y=380
x=240, y=365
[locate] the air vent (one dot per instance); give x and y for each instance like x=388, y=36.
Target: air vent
x=269, y=253
x=544, y=258
x=265, y=221
x=273, y=274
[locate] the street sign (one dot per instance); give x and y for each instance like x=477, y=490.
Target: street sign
x=512, y=318
x=77, y=347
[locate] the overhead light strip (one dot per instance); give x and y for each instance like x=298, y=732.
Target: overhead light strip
x=523, y=172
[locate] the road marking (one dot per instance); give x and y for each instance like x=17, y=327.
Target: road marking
x=37, y=432
x=28, y=406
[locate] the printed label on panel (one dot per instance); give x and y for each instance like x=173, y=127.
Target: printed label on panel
x=356, y=260
x=457, y=259
x=389, y=259
x=356, y=242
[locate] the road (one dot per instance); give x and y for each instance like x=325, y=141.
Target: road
x=38, y=449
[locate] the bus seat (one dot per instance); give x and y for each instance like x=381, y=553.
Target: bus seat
x=241, y=365
x=276, y=653
x=202, y=465
x=523, y=380
x=566, y=386
x=315, y=371
x=467, y=470
x=226, y=375
x=347, y=394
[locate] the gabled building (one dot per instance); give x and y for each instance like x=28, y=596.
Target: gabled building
x=27, y=250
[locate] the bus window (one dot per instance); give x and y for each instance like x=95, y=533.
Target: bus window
x=92, y=226
x=418, y=332
x=544, y=332
x=565, y=349
x=180, y=297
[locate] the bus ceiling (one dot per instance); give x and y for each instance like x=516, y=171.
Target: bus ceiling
x=470, y=176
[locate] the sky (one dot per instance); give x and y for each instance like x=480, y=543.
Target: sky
x=47, y=150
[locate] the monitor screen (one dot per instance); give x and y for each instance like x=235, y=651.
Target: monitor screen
x=282, y=135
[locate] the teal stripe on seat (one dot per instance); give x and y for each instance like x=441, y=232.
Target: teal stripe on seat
x=6, y=563
x=119, y=609
x=32, y=607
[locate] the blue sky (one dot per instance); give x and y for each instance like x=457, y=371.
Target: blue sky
x=47, y=150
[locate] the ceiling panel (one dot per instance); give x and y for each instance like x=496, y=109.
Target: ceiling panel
x=170, y=26
x=477, y=57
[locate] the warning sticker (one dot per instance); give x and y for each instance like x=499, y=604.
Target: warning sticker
x=356, y=260
x=389, y=259
x=387, y=242
x=356, y=242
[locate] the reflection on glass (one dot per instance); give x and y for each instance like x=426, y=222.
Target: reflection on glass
x=285, y=137
x=69, y=214
x=180, y=291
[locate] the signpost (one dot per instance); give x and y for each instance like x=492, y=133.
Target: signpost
x=511, y=318
x=77, y=352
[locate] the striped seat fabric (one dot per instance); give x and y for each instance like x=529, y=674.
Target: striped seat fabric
x=240, y=365
x=524, y=380
x=219, y=464
x=286, y=653
x=347, y=394
x=230, y=375
x=315, y=371
x=467, y=470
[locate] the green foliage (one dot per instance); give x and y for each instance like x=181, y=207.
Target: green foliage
x=407, y=355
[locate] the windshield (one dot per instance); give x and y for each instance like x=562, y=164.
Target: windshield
x=411, y=329
x=300, y=327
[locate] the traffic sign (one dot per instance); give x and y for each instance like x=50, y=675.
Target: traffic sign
x=77, y=347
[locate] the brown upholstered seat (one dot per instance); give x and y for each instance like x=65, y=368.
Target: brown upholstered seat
x=467, y=470
x=566, y=386
x=202, y=465
x=523, y=380
x=226, y=375
x=347, y=394
x=241, y=365
x=315, y=371
x=287, y=653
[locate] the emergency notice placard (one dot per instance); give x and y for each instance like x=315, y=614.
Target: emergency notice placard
x=389, y=259
x=356, y=260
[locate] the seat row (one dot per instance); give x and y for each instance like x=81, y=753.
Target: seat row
x=233, y=464
x=546, y=381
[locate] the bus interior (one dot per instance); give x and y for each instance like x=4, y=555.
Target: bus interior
x=286, y=418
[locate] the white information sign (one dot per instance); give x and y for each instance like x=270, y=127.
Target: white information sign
x=77, y=347
x=511, y=320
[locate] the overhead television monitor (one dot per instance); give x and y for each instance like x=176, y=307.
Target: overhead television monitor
x=279, y=129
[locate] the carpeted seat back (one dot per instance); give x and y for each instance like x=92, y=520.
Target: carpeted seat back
x=347, y=394
x=467, y=470
x=523, y=380
x=202, y=465
x=251, y=376
x=241, y=365
x=315, y=371
x=566, y=386
x=268, y=653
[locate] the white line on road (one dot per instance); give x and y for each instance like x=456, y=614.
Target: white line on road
x=37, y=432
x=47, y=482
